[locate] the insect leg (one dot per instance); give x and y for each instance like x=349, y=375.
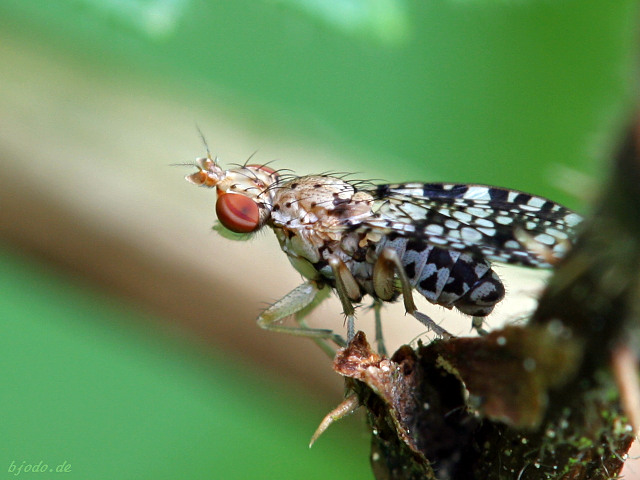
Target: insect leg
x=377, y=306
x=292, y=303
x=386, y=267
x=348, y=291
x=476, y=323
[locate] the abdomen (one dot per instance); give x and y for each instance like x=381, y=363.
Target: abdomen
x=448, y=278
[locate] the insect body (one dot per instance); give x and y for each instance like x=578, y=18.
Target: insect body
x=387, y=240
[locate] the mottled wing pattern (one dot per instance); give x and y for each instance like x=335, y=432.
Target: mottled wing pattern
x=475, y=219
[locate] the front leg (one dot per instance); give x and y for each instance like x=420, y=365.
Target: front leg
x=292, y=303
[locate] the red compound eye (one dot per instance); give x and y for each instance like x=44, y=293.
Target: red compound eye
x=237, y=213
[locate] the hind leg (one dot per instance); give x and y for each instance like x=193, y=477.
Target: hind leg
x=377, y=306
x=477, y=324
x=387, y=266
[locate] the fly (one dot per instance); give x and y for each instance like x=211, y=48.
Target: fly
x=386, y=241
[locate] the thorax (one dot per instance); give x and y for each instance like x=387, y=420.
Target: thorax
x=313, y=217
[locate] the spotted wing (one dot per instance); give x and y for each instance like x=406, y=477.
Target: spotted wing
x=497, y=224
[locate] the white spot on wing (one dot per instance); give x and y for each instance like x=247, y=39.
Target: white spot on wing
x=439, y=241
x=452, y=224
x=482, y=222
x=529, y=208
x=546, y=239
x=477, y=193
x=433, y=229
x=479, y=212
x=503, y=220
x=531, y=225
x=414, y=211
x=471, y=235
x=488, y=231
x=572, y=219
x=464, y=217
x=536, y=202
x=557, y=233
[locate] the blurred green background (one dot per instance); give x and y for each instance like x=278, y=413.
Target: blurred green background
x=128, y=346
